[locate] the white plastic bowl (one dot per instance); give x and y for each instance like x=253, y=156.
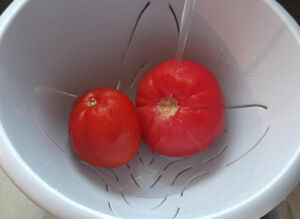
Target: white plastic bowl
x=253, y=48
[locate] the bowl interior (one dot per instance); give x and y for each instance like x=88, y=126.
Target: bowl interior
x=53, y=51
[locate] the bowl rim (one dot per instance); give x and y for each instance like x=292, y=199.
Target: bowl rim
x=62, y=207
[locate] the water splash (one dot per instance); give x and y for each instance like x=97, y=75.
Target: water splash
x=185, y=24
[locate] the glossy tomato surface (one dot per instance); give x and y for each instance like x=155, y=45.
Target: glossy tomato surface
x=103, y=127
x=180, y=108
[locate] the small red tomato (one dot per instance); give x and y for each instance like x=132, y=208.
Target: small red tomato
x=103, y=127
x=181, y=110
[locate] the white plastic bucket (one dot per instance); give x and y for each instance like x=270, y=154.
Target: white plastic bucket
x=252, y=47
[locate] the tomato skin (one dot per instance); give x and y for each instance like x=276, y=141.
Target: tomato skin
x=103, y=127
x=193, y=104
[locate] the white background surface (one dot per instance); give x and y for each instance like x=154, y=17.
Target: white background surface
x=15, y=205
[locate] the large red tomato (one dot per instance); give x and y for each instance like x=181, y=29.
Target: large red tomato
x=104, y=129
x=181, y=110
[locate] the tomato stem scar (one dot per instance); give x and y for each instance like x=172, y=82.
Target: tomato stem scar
x=168, y=106
x=92, y=102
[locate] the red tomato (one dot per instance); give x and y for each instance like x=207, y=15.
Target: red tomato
x=104, y=129
x=181, y=111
